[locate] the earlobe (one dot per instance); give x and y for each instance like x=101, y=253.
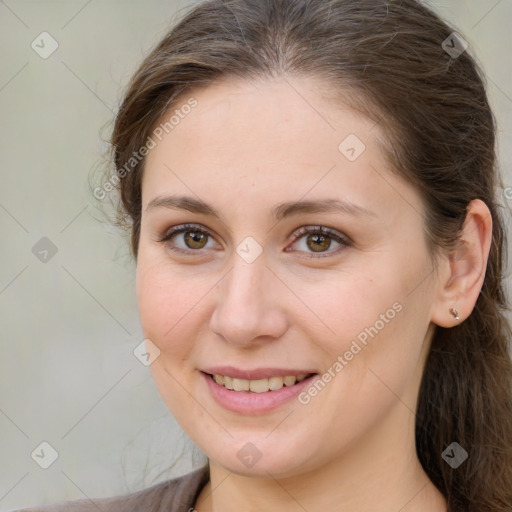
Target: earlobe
x=455, y=313
x=465, y=266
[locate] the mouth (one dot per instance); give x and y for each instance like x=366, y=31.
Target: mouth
x=255, y=392
x=262, y=385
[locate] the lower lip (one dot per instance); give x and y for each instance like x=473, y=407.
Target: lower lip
x=247, y=402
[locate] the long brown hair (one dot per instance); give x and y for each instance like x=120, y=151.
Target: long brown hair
x=391, y=60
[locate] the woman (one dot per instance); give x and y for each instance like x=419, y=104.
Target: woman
x=310, y=190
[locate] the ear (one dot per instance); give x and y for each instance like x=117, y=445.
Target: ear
x=462, y=271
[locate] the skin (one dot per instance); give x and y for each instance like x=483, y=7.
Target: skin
x=245, y=148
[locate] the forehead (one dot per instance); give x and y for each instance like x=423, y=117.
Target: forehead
x=275, y=137
x=258, y=123
x=284, y=106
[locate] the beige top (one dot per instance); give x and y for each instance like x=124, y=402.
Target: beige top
x=176, y=495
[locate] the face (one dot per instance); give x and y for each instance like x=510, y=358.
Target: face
x=298, y=252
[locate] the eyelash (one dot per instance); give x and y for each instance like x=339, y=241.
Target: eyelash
x=344, y=241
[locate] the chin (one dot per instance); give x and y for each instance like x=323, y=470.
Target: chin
x=269, y=461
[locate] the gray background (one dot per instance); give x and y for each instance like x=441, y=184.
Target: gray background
x=69, y=325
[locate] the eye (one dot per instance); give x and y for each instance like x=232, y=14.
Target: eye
x=194, y=238
x=319, y=239
x=190, y=238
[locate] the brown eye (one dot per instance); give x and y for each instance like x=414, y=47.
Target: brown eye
x=187, y=239
x=318, y=243
x=195, y=239
x=319, y=240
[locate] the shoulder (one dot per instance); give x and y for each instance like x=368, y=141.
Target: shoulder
x=178, y=494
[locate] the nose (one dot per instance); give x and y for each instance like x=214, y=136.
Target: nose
x=249, y=309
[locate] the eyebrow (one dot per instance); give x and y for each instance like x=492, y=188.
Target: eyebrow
x=278, y=213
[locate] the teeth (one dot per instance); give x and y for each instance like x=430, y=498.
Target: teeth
x=259, y=385
x=289, y=381
x=228, y=382
x=275, y=383
x=241, y=385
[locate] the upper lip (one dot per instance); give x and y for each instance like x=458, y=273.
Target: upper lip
x=257, y=373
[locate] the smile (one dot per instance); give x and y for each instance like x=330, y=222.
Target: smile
x=258, y=395
x=258, y=385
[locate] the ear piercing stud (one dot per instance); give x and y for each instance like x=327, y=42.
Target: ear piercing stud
x=455, y=313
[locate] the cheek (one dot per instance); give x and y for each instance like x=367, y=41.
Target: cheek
x=167, y=303
x=343, y=306
x=373, y=317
